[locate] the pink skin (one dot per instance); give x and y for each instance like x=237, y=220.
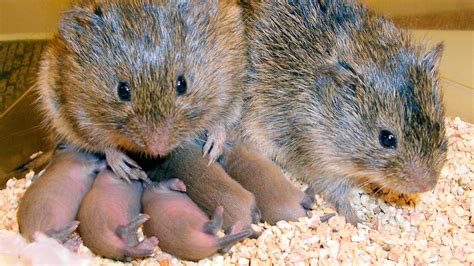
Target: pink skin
x=184, y=230
x=50, y=205
x=110, y=216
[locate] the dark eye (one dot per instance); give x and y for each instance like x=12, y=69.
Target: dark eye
x=124, y=91
x=98, y=11
x=388, y=139
x=181, y=85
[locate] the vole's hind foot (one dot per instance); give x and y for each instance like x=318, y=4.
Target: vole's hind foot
x=124, y=231
x=124, y=167
x=226, y=242
x=73, y=243
x=142, y=249
x=215, y=224
x=326, y=217
x=239, y=227
x=215, y=143
x=63, y=235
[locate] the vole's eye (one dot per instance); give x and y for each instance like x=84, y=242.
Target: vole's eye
x=181, y=86
x=98, y=11
x=124, y=91
x=388, y=139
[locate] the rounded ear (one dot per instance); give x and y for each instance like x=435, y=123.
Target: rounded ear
x=433, y=58
x=76, y=23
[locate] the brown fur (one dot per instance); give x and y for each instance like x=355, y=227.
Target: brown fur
x=277, y=198
x=209, y=186
x=183, y=228
x=148, y=44
x=325, y=78
x=51, y=203
x=109, y=217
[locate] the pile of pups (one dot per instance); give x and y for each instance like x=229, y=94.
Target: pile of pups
x=78, y=185
x=336, y=95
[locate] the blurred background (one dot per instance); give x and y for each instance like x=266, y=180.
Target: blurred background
x=26, y=25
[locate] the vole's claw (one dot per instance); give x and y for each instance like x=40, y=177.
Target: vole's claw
x=139, y=174
x=124, y=167
x=215, y=144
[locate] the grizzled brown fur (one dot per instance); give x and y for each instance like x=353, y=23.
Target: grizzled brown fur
x=148, y=48
x=326, y=78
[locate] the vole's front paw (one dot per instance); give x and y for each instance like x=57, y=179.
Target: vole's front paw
x=124, y=167
x=214, y=146
x=345, y=209
x=308, y=200
x=307, y=203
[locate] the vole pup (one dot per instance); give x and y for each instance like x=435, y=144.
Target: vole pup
x=143, y=76
x=183, y=228
x=109, y=217
x=209, y=186
x=277, y=198
x=51, y=203
x=340, y=97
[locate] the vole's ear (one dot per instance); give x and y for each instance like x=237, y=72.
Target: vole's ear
x=77, y=23
x=433, y=58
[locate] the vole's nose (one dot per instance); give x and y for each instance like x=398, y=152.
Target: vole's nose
x=158, y=139
x=423, y=185
x=423, y=178
x=159, y=148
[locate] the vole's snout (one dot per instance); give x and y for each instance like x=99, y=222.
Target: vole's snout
x=158, y=140
x=158, y=146
x=422, y=178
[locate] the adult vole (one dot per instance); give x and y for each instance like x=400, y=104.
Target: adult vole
x=339, y=97
x=143, y=76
